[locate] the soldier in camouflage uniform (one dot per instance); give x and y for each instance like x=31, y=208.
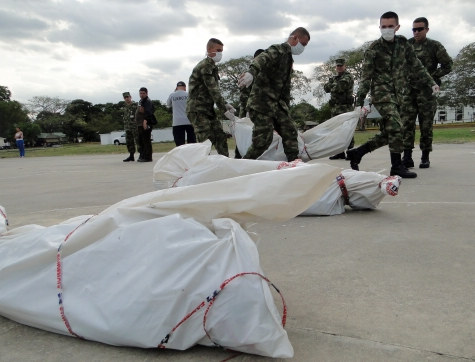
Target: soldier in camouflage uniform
x=203, y=94
x=243, y=97
x=422, y=102
x=131, y=134
x=340, y=88
x=386, y=68
x=269, y=100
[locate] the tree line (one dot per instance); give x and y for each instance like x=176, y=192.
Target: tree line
x=82, y=119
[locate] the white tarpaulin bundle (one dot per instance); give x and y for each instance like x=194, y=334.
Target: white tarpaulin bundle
x=326, y=139
x=191, y=165
x=146, y=271
x=3, y=220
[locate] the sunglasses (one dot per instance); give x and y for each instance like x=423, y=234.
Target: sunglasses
x=418, y=29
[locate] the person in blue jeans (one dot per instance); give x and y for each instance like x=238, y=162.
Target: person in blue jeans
x=19, y=142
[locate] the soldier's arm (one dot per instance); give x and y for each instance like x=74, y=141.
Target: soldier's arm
x=445, y=62
x=327, y=87
x=269, y=56
x=344, y=83
x=366, y=77
x=418, y=72
x=213, y=87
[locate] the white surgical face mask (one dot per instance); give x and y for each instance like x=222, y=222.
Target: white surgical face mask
x=388, y=34
x=297, y=49
x=217, y=58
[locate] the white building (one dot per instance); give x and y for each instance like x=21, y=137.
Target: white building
x=454, y=114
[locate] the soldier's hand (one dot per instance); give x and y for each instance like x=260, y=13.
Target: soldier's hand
x=230, y=108
x=245, y=80
x=364, y=111
x=229, y=115
x=435, y=89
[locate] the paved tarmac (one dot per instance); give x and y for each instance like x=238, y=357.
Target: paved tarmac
x=392, y=284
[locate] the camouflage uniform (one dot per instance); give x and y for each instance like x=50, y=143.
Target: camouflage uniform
x=340, y=88
x=130, y=127
x=203, y=93
x=422, y=104
x=269, y=101
x=386, y=68
x=341, y=101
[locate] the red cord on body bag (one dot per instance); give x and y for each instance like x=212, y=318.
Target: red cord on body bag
x=340, y=179
x=210, y=300
x=59, y=281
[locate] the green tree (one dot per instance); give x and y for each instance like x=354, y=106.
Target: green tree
x=5, y=94
x=458, y=88
x=163, y=114
x=12, y=114
x=39, y=104
x=303, y=112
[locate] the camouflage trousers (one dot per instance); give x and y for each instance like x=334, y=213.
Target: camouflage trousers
x=390, y=128
x=208, y=127
x=132, y=139
x=263, y=132
x=422, y=106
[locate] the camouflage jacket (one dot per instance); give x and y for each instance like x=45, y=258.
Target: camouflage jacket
x=386, y=70
x=128, y=116
x=431, y=53
x=203, y=88
x=340, y=88
x=271, y=70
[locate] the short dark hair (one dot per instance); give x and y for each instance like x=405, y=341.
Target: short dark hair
x=422, y=20
x=143, y=89
x=301, y=31
x=390, y=15
x=213, y=41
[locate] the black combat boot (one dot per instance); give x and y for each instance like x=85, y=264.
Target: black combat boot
x=356, y=154
x=130, y=158
x=407, y=160
x=397, y=168
x=425, y=163
x=339, y=156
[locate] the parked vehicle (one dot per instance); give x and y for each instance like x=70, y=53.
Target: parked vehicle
x=120, y=140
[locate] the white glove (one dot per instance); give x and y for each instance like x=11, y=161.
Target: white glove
x=245, y=80
x=230, y=108
x=435, y=89
x=229, y=115
x=364, y=111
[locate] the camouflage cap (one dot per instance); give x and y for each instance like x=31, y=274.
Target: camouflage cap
x=126, y=94
x=340, y=61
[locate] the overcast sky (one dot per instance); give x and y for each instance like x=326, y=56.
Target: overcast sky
x=95, y=50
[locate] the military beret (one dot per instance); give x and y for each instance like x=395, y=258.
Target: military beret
x=126, y=94
x=340, y=61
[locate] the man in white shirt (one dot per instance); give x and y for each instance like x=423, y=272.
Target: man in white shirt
x=181, y=123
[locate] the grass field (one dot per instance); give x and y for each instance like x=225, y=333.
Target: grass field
x=442, y=134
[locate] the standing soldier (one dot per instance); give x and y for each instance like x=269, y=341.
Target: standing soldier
x=131, y=135
x=203, y=94
x=388, y=63
x=340, y=88
x=422, y=102
x=269, y=102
